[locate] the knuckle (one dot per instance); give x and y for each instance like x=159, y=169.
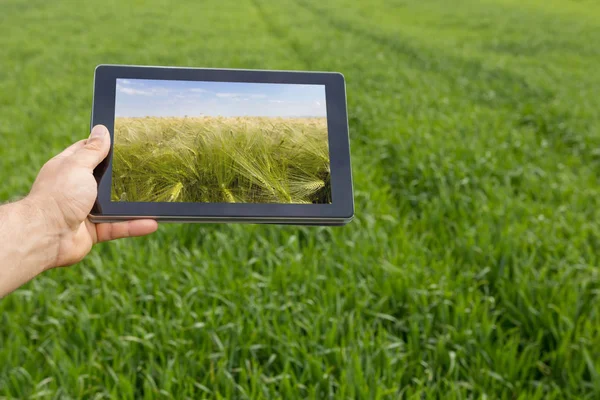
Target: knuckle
x=94, y=145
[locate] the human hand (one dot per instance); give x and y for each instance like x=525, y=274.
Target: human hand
x=65, y=191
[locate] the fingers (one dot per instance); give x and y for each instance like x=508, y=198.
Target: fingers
x=118, y=230
x=95, y=149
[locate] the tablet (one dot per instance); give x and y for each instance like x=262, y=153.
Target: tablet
x=223, y=145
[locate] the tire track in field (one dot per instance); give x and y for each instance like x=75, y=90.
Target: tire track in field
x=278, y=32
x=503, y=82
x=532, y=105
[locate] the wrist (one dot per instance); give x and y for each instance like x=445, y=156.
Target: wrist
x=45, y=231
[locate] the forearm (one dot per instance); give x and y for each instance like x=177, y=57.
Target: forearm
x=28, y=245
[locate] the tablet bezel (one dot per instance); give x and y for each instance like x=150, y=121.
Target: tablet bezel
x=342, y=206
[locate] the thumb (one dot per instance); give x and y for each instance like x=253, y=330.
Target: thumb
x=95, y=149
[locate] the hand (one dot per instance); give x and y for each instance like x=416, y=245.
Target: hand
x=65, y=191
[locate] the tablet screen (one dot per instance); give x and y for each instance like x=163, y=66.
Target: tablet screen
x=220, y=142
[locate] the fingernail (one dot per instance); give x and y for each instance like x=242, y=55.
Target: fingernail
x=99, y=131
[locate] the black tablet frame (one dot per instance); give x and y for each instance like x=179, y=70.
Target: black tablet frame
x=342, y=206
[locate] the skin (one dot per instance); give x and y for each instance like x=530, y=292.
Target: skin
x=50, y=227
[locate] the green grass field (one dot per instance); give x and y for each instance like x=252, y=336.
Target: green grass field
x=470, y=271
x=221, y=160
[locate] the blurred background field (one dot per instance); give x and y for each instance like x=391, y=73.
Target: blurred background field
x=221, y=160
x=470, y=270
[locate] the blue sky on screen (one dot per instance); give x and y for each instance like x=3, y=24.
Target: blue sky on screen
x=163, y=98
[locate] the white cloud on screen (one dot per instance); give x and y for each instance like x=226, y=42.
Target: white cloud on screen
x=225, y=95
x=132, y=91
